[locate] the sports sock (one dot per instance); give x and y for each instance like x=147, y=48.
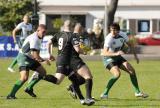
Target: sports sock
x=88, y=85
x=50, y=78
x=109, y=85
x=135, y=83
x=14, y=62
x=16, y=87
x=32, y=83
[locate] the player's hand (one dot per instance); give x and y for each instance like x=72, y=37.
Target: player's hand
x=119, y=53
x=51, y=58
x=46, y=62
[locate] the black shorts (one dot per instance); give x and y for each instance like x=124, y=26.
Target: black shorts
x=32, y=66
x=76, y=63
x=63, y=69
x=117, y=61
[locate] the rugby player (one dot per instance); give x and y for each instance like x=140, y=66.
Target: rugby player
x=113, y=60
x=29, y=59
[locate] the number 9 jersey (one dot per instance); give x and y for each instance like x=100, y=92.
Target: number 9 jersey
x=66, y=41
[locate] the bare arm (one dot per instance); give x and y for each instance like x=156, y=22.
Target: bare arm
x=132, y=47
x=49, y=44
x=14, y=34
x=36, y=56
x=78, y=49
x=106, y=52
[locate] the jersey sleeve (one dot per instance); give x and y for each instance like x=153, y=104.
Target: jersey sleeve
x=107, y=41
x=19, y=26
x=74, y=40
x=124, y=35
x=35, y=44
x=54, y=39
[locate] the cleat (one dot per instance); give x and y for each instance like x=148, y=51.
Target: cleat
x=82, y=101
x=140, y=94
x=11, y=97
x=89, y=102
x=72, y=92
x=104, y=96
x=10, y=69
x=30, y=92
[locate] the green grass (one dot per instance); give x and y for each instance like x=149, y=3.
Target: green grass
x=53, y=96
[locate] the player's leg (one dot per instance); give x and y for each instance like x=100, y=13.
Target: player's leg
x=11, y=66
x=129, y=69
x=34, y=76
x=114, y=70
x=36, y=66
x=14, y=62
x=86, y=74
x=24, y=73
x=74, y=88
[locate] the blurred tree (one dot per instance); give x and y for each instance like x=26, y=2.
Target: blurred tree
x=57, y=24
x=111, y=12
x=12, y=12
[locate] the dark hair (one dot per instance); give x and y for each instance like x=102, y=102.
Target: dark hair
x=115, y=26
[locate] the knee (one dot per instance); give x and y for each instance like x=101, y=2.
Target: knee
x=24, y=79
x=117, y=75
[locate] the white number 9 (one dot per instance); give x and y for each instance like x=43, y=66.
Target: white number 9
x=60, y=43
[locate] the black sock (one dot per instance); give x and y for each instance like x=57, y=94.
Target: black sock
x=80, y=80
x=89, y=84
x=75, y=84
x=50, y=78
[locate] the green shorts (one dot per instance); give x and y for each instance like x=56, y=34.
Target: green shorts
x=27, y=63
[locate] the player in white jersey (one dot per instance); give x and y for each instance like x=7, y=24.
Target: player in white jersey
x=25, y=29
x=29, y=59
x=113, y=61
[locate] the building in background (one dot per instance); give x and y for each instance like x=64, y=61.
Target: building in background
x=140, y=16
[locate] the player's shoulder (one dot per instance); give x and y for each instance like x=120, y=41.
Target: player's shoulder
x=123, y=34
x=33, y=37
x=109, y=37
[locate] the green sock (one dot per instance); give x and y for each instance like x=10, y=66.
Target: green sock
x=135, y=83
x=14, y=62
x=109, y=85
x=16, y=87
x=32, y=83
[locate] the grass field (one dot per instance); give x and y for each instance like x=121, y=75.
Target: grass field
x=53, y=96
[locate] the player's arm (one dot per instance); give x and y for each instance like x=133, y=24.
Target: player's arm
x=132, y=49
x=78, y=49
x=107, y=45
x=76, y=45
x=35, y=51
x=49, y=48
x=14, y=34
x=35, y=55
x=106, y=52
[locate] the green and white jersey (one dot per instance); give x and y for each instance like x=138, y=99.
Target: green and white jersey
x=32, y=42
x=26, y=29
x=115, y=43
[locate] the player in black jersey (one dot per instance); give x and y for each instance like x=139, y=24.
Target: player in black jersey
x=81, y=68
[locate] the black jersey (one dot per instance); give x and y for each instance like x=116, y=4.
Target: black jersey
x=76, y=61
x=66, y=41
x=74, y=52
